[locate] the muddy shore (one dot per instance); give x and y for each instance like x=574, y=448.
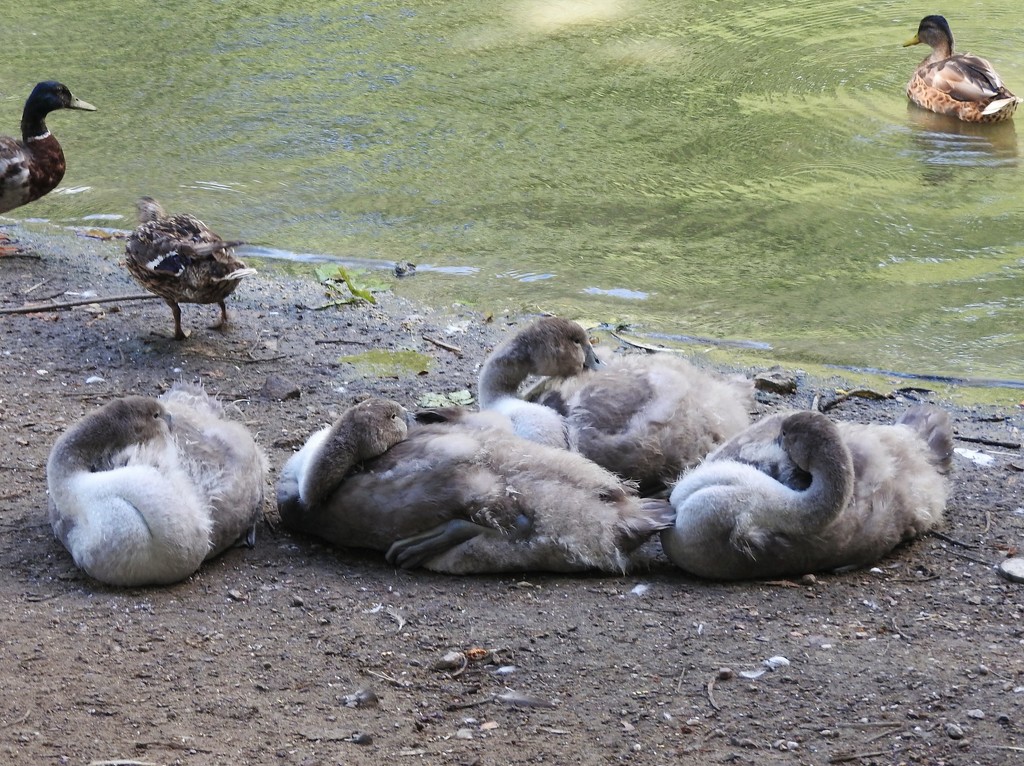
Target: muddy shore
x=254, y=659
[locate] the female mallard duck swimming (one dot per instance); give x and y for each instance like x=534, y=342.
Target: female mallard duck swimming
x=33, y=166
x=797, y=493
x=181, y=260
x=956, y=84
x=462, y=496
x=645, y=418
x=143, y=490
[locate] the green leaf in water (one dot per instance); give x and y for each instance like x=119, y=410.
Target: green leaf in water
x=342, y=285
x=461, y=398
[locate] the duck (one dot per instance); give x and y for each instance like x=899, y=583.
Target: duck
x=798, y=493
x=461, y=494
x=143, y=490
x=33, y=166
x=643, y=417
x=180, y=259
x=957, y=84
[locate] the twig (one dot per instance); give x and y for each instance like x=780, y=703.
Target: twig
x=868, y=724
x=36, y=286
x=899, y=632
x=988, y=442
x=474, y=703
x=969, y=557
x=1004, y=747
x=120, y=762
x=324, y=341
x=878, y=736
x=446, y=346
x=83, y=302
x=709, y=687
x=168, y=746
x=9, y=724
x=952, y=540
x=390, y=679
x=858, y=756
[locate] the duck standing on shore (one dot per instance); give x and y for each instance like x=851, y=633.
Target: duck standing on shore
x=797, y=493
x=643, y=417
x=178, y=258
x=462, y=496
x=33, y=166
x=957, y=84
x=143, y=490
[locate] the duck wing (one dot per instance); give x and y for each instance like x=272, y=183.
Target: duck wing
x=964, y=77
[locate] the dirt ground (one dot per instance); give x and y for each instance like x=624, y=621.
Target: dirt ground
x=257, y=658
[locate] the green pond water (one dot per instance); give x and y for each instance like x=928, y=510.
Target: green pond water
x=735, y=171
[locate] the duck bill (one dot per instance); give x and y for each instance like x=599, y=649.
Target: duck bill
x=912, y=41
x=77, y=103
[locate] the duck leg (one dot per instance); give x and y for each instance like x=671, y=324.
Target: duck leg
x=223, y=322
x=179, y=334
x=413, y=551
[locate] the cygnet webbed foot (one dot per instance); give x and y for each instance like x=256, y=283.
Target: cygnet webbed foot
x=412, y=552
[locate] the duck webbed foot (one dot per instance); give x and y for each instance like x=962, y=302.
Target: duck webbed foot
x=413, y=551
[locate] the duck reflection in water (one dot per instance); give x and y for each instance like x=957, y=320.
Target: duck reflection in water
x=943, y=142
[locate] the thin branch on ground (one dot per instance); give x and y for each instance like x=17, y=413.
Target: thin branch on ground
x=39, y=309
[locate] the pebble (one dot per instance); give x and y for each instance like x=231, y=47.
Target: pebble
x=278, y=388
x=953, y=731
x=361, y=698
x=775, y=382
x=1012, y=569
x=976, y=713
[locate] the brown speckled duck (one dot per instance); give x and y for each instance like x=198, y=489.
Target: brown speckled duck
x=33, y=166
x=644, y=417
x=461, y=495
x=143, y=490
x=957, y=84
x=178, y=258
x=797, y=493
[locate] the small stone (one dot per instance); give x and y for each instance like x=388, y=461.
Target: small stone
x=361, y=698
x=361, y=738
x=953, y=731
x=809, y=579
x=278, y=388
x=1012, y=569
x=464, y=734
x=775, y=382
x=236, y=595
x=976, y=713
x=724, y=674
x=297, y=601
